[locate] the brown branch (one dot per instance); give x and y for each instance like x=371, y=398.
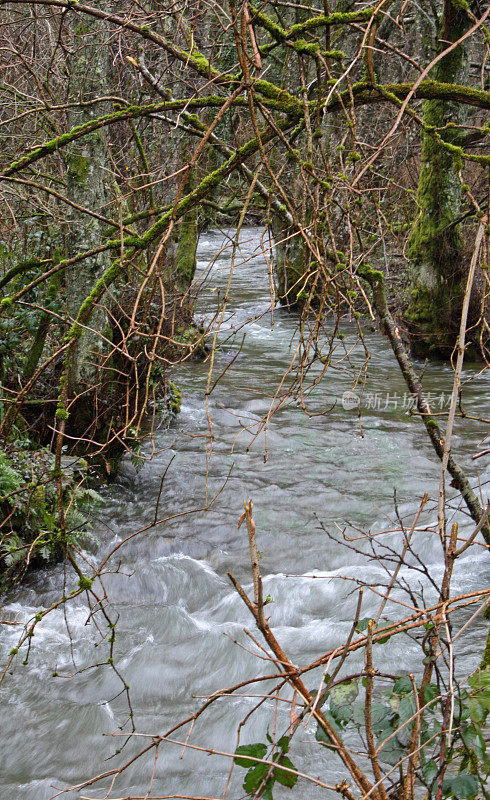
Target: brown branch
x=389, y=327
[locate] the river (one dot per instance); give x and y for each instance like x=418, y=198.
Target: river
x=178, y=612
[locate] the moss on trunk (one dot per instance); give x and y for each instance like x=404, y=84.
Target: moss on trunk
x=290, y=265
x=185, y=255
x=435, y=245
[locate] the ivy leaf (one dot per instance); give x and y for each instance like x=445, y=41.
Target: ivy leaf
x=282, y=777
x=257, y=750
x=464, y=786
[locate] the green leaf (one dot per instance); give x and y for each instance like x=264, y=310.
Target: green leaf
x=363, y=624
x=475, y=713
x=341, y=714
x=403, y=685
x=392, y=751
x=464, y=786
x=381, y=717
x=407, y=708
x=345, y=693
x=282, y=777
x=320, y=734
x=267, y=793
x=255, y=777
x=480, y=687
x=480, y=679
x=358, y=713
x=283, y=743
x=257, y=750
x=430, y=692
x=430, y=770
x=388, y=635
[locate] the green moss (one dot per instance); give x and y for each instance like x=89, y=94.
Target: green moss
x=33, y=511
x=435, y=245
x=185, y=255
x=84, y=583
x=375, y=278
x=82, y=29
x=175, y=397
x=310, y=48
x=485, y=662
x=369, y=274
x=432, y=316
x=281, y=34
x=199, y=60
x=61, y=413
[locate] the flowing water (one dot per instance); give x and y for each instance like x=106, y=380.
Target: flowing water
x=179, y=615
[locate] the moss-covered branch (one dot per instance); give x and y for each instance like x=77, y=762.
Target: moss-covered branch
x=428, y=90
x=20, y=268
x=276, y=98
x=321, y=21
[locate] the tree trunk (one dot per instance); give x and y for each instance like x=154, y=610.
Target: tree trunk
x=188, y=235
x=435, y=245
x=289, y=265
x=87, y=171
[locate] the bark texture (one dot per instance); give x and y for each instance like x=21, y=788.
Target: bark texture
x=435, y=245
x=87, y=171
